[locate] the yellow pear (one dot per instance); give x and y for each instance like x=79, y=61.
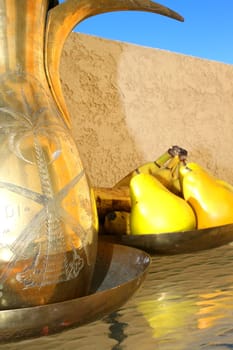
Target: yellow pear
x=154, y=209
x=211, y=201
x=198, y=167
x=225, y=184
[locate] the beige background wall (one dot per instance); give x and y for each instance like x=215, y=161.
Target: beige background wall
x=130, y=103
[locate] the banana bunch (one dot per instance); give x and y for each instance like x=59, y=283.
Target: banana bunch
x=165, y=168
x=114, y=215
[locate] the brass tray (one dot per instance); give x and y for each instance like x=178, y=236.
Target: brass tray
x=176, y=243
x=119, y=272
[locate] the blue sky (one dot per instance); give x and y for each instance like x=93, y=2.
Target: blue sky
x=207, y=31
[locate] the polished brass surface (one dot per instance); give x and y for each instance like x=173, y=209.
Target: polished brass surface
x=184, y=303
x=119, y=272
x=48, y=234
x=176, y=242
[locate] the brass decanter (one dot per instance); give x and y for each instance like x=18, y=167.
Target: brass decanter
x=48, y=216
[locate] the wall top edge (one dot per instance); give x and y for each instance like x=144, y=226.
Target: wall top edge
x=125, y=44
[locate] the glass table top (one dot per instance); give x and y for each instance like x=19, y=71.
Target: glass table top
x=185, y=303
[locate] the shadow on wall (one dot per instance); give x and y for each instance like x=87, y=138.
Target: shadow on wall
x=129, y=103
x=89, y=73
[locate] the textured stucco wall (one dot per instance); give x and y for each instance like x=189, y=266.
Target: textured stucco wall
x=129, y=103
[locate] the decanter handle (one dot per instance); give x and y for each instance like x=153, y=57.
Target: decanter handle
x=64, y=17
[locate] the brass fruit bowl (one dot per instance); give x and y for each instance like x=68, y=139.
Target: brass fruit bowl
x=177, y=242
x=112, y=199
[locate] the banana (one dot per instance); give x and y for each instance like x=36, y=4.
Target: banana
x=168, y=175
x=147, y=168
x=152, y=167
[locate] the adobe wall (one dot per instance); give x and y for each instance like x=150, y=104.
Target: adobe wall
x=129, y=103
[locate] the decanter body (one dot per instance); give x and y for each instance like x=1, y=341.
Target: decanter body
x=48, y=225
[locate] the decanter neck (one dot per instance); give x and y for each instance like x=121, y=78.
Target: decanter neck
x=22, y=28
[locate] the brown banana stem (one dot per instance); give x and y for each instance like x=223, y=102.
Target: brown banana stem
x=112, y=199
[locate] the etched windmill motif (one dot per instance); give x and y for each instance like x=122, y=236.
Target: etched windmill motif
x=35, y=138
x=47, y=226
